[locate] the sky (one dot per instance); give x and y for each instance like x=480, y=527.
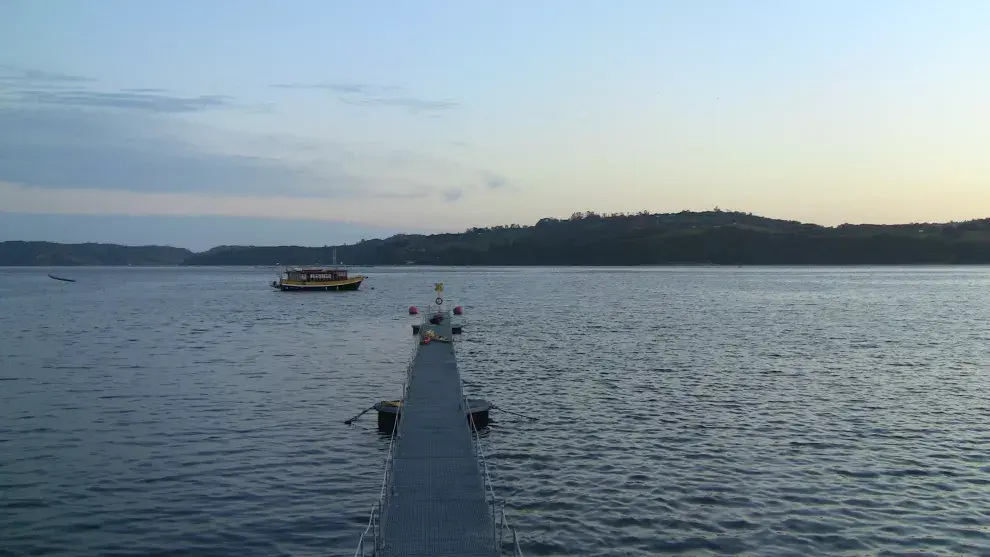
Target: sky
x=205, y=122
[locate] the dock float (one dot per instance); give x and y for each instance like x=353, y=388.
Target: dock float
x=436, y=498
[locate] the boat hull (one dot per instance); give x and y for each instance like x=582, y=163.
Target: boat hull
x=328, y=286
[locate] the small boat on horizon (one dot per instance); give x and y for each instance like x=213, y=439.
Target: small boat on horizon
x=51, y=276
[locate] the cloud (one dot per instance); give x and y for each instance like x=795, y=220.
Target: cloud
x=39, y=87
x=344, y=88
x=452, y=194
x=362, y=94
x=18, y=76
x=127, y=100
x=494, y=181
x=68, y=148
x=488, y=180
x=57, y=132
x=74, y=201
x=410, y=103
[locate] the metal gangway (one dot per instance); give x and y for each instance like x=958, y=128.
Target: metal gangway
x=436, y=497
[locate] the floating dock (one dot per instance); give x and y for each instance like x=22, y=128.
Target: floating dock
x=437, y=499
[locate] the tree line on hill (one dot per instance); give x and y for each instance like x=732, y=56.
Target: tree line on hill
x=708, y=237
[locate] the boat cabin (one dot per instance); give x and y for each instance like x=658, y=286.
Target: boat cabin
x=315, y=274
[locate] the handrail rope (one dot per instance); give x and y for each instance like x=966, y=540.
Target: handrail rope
x=396, y=424
x=479, y=449
x=388, y=459
x=382, y=493
x=517, y=551
x=480, y=453
x=359, y=552
x=381, y=498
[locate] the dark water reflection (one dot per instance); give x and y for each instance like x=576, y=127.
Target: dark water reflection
x=718, y=411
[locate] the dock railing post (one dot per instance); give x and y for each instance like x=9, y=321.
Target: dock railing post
x=501, y=527
x=378, y=527
x=494, y=527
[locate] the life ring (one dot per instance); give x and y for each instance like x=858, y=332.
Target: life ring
x=439, y=300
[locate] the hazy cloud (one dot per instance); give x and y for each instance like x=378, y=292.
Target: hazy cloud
x=57, y=132
x=494, y=181
x=488, y=180
x=127, y=100
x=452, y=194
x=24, y=77
x=39, y=87
x=62, y=148
x=410, y=103
x=363, y=94
x=344, y=88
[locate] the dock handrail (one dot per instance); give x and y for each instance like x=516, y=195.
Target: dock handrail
x=500, y=523
x=374, y=527
x=375, y=519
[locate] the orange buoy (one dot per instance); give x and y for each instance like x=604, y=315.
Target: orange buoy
x=413, y=310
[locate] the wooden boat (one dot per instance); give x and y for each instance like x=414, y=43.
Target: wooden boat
x=317, y=279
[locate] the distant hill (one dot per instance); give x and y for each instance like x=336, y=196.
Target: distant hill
x=715, y=237
x=49, y=253
x=709, y=237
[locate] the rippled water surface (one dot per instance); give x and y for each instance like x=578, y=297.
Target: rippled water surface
x=703, y=411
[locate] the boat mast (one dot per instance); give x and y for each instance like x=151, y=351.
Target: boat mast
x=334, y=257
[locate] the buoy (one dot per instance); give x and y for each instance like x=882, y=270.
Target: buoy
x=458, y=310
x=413, y=310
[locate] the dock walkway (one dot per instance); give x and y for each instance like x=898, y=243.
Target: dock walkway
x=436, y=498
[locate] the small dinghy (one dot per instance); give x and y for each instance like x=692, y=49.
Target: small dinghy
x=61, y=278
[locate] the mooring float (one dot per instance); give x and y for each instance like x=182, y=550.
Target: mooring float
x=391, y=410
